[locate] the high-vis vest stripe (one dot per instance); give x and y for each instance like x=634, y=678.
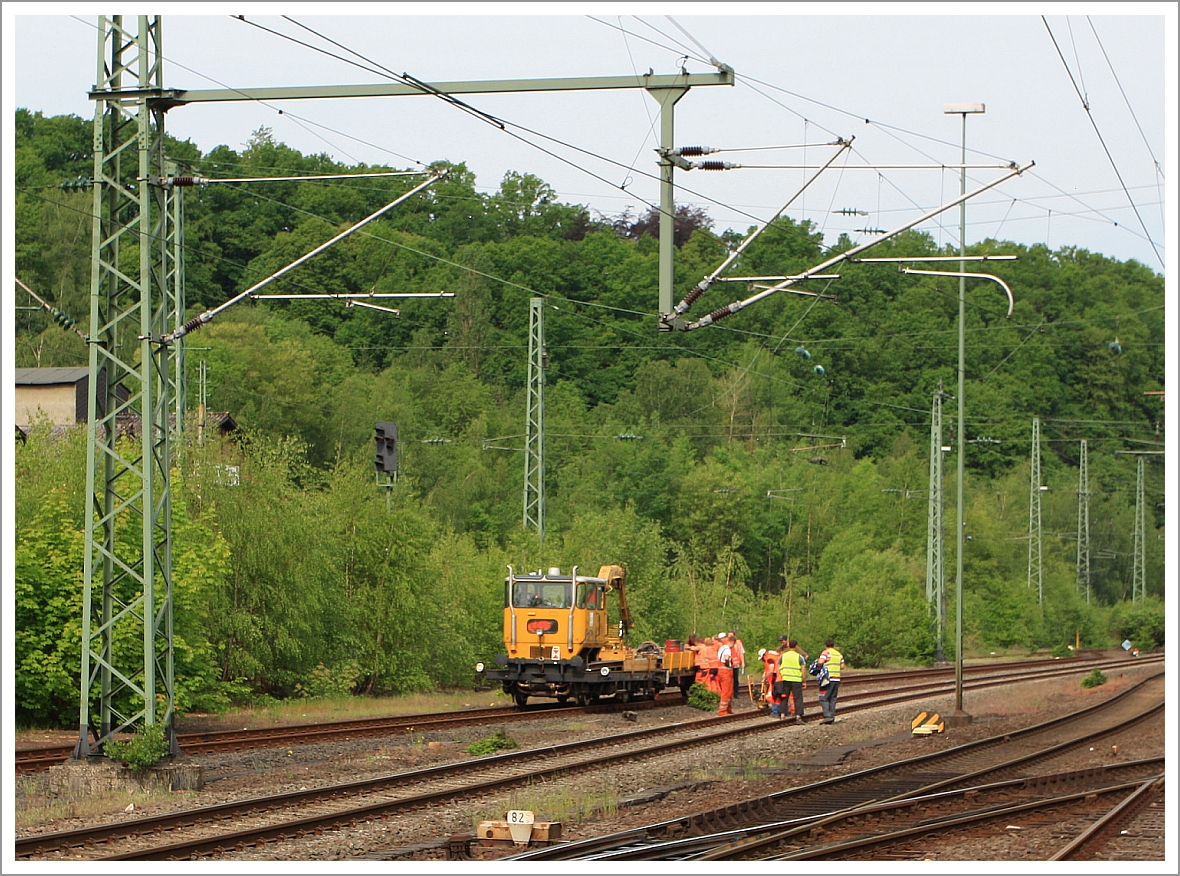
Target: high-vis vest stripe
x=792, y=666
x=835, y=660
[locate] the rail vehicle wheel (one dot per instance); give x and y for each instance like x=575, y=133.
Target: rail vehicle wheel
x=582, y=698
x=563, y=698
x=622, y=695
x=521, y=699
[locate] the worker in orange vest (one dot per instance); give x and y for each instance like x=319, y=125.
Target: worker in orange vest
x=709, y=652
x=739, y=661
x=770, y=662
x=725, y=674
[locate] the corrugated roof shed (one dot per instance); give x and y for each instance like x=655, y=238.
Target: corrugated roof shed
x=49, y=376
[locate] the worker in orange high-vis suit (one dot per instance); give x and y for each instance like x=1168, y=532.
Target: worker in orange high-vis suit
x=725, y=674
x=696, y=645
x=739, y=662
x=709, y=653
x=770, y=661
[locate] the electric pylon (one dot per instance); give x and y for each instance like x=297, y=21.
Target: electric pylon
x=1034, y=515
x=127, y=574
x=1084, y=523
x=534, y=439
x=935, y=558
x=1139, y=564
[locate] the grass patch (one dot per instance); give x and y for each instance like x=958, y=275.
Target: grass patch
x=344, y=708
x=498, y=741
x=1095, y=678
x=568, y=806
x=37, y=810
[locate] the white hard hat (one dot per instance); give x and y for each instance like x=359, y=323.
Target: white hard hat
x=761, y=652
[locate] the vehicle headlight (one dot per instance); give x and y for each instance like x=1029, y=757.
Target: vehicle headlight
x=604, y=671
x=479, y=667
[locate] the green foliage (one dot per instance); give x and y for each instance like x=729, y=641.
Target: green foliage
x=1094, y=679
x=324, y=682
x=700, y=697
x=721, y=499
x=1142, y=622
x=1061, y=650
x=498, y=741
x=142, y=750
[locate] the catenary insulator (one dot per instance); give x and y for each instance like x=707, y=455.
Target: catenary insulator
x=694, y=150
x=714, y=165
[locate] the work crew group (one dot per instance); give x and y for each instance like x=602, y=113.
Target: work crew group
x=722, y=659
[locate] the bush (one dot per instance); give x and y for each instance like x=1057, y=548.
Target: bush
x=1062, y=651
x=142, y=750
x=498, y=741
x=700, y=697
x=1094, y=679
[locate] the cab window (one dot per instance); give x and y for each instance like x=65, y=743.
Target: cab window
x=589, y=596
x=540, y=594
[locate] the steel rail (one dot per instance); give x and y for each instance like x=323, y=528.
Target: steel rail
x=208, y=741
x=943, y=824
x=702, y=821
x=1095, y=780
x=926, y=790
x=30, y=759
x=1124, y=811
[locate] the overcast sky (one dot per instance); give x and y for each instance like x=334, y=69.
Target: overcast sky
x=801, y=79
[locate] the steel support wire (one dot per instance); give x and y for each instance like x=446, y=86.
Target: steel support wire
x=198, y=321
x=733, y=308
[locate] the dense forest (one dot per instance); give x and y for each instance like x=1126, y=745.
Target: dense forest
x=768, y=474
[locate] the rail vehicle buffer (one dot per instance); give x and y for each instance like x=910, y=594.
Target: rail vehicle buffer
x=926, y=723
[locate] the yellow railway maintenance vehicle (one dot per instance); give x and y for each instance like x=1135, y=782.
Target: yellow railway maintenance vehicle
x=560, y=644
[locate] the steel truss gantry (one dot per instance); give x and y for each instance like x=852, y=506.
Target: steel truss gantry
x=534, y=426
x=137, y=304
x=1139, y=560
x=1084, y=521
x=136, y=295
x=1034, y=515
x=935, y=555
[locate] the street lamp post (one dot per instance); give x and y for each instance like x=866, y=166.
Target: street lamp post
x=959, y=716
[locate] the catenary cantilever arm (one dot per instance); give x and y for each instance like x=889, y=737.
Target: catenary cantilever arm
x=667, y=320
x=198, y=321
x=733, y=308
x=1011, y=300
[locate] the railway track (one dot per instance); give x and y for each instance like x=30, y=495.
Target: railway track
x=264, y=819
x=209, y=742
x=790, y=822
x=934, y=826
x=32, y=759
x=1133, y=829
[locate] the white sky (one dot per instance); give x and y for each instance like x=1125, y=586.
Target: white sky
x=801, y=78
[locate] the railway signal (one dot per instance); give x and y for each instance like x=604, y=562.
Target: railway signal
x=386, y=447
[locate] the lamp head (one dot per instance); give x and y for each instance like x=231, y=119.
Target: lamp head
x=956, y=108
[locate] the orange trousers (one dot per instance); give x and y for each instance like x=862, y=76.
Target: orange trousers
x=725, y=676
